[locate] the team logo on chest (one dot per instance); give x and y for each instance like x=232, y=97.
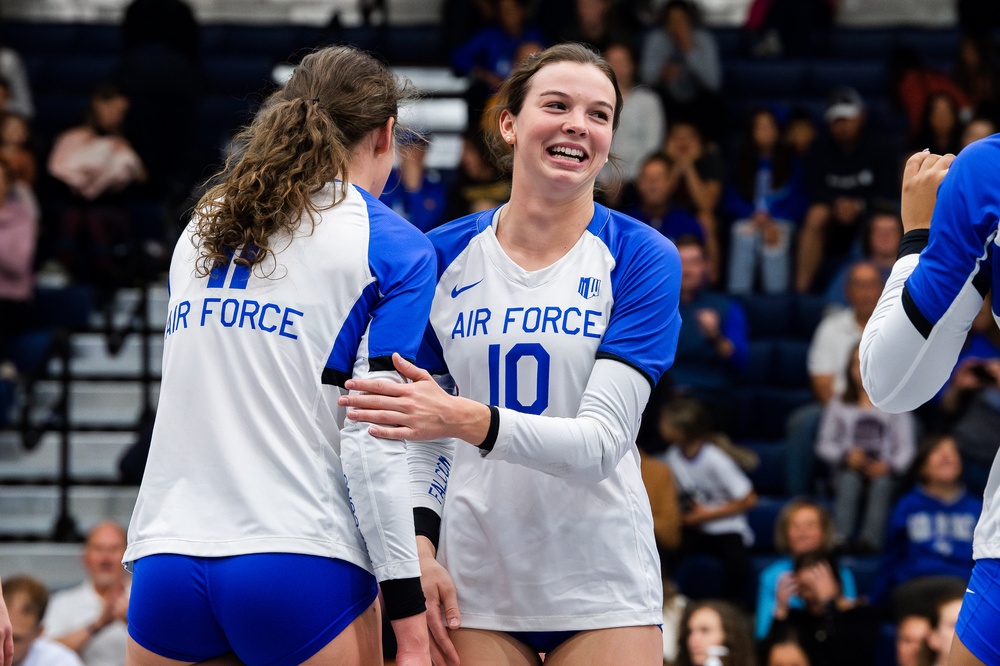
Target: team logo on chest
x=590, y=287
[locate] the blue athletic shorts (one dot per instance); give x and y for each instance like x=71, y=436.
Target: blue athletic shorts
x=270, y=609
x=546, y=641
x=980, y=615
x=543, y=641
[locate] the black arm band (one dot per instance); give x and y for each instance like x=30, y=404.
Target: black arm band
x=403, y=597
x=913, y=242
x=491, y=434
x=427, y=523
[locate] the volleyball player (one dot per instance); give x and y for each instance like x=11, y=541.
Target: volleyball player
x=263, y=522
x=947, y=263
x=554, y=317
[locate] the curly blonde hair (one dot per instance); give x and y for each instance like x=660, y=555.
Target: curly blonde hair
x=299, y=141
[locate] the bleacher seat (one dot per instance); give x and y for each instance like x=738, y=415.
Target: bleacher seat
x=731, y=42
x=31, y=37
x=99, y=39
x=220, y=115
x=864, y=568
x=57, y=111
x=760, y=362
x=81, y=74
x=36, y=66
x=65, y=307
x=274, y=42
x=807, y=311
x=790, y=363
x=938, y=44
x=762, y=518
x=769, y=476
x=866, y=76
x=237, y=75
x=699, y=577
x=764, y=77
x=869, y=43
x=761, y=411
x=768, y=315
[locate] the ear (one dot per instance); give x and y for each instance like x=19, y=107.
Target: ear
x=507, y=125
x=384, y=137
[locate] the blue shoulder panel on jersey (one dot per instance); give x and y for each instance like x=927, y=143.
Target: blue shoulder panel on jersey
x=962, y=231
x=644, y=324
x=452, y=238
x=449, y=241
x=395, y=308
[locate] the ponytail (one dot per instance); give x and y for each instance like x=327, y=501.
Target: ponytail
x=300, y=140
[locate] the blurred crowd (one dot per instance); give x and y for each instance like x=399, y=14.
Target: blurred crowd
x=776, y=201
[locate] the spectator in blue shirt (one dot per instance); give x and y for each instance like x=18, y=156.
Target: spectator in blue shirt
x=713, y=342
x=929, y=537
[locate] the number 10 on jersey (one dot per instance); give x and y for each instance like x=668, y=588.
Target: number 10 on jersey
x=511, y=368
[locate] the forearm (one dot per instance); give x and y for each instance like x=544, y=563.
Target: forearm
x=588, y=446
x=378, y=481
x=77, y=640
x=900, y=367
x=705, y=193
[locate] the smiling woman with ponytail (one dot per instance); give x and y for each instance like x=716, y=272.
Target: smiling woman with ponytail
x=265, y=525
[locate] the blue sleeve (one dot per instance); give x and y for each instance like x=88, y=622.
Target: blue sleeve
x=767, y=591
x=734, y=327
x=645, y=322
x=449, y=241
x=394, y=308
x=847, y=584
x=962, y=231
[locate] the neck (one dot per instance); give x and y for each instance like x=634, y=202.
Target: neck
x=537, y=231
x=943, y=490
x=691, y=448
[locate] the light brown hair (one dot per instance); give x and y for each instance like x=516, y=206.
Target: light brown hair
x=514, y=90
x=34, y=591
x=299, y=141
x=785, y=516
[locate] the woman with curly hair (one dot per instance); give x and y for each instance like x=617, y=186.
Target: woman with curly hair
x=264, y=523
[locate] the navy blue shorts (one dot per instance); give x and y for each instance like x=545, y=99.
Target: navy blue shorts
x=543, y=641
x=980, y=615
x=271, y=609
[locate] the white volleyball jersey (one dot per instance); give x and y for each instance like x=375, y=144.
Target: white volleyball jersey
x=912, y=341
x=250, y=452
x=550, y=550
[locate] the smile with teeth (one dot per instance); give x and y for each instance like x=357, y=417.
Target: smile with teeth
x=571, y=153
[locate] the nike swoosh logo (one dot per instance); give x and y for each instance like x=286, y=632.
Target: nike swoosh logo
x=455, y=291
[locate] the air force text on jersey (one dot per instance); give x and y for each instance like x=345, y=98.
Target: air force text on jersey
x=235, y=313
x=548, y=319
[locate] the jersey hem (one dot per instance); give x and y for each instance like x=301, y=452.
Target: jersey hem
x=175, y=546
x=602, y=620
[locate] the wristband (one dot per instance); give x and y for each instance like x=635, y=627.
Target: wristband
x=403, y=597
x=492, y=433
x=427, y=523
x=913, y=242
